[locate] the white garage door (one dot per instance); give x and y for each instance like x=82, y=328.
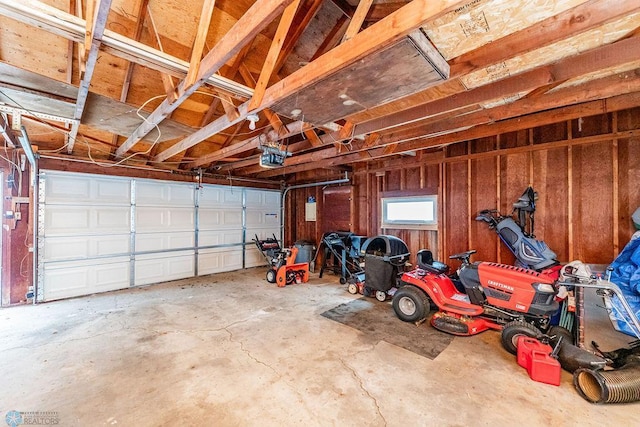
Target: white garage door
x=84, y=235
x=101, y=233
x=262, y=219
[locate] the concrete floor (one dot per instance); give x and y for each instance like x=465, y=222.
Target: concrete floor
x=233, y=350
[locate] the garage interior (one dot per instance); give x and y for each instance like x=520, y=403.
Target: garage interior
x=148, y=144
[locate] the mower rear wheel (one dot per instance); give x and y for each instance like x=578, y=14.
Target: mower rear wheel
x=410, y=304
x=381, y=296
x=515, y=329
x=352, y=288
x=271, y=276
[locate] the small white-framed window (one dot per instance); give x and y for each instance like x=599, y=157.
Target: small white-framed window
x=417, y=212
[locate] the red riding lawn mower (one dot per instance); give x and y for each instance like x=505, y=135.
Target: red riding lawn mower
x=485, y=295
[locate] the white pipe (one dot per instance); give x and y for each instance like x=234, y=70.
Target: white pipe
x=283, y=199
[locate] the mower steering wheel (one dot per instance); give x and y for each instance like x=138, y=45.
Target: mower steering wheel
x=463, y=256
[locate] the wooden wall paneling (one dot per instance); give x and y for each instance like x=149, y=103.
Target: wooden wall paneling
x=456, y=233
x=550, y=181
x=628, y=186
x=550, y=133
x=483, y=145
x=442, y=218
x=483, y=196
x=515, y=139
x=592, y=191
x=470, y=236
x=432, y=181
x=412, y=178
x=592, y=125
x=514, y=179
x=393, y=180
x=498, y=196
x=614, y=172
x=628, y=119
x=336, y=209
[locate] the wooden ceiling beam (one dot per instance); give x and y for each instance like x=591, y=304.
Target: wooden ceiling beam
x=198, y=44
x=97, y=31
x=579, y=19
x=598, y=91
x=603, y=57
x=357, y=19
x=244, y=30
x=272, y=56
x=242, y=147
x=301, y=22
x=38, y=14
x=136, y=36
x=374, y=38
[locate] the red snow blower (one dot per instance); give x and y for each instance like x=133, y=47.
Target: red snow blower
x=515, y=300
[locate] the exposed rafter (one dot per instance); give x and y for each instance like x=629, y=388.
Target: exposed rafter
x=379, y=35
x=256, y=18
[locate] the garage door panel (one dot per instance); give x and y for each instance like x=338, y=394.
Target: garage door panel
x=83, y=220
x=221, y=237
x=212, y=196
x=82, y=247
x=161, y=219
x=211, y=219
x=146, y=242
x=254, y=258
x=163, y=267
x=262, y=199
x=219, y=260
x=154, y=193
x=261, y=218
x=69, y=279
x=86, y=189
x=263, y=233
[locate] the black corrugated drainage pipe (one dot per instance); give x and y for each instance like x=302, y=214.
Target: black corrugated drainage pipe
x=615, y=386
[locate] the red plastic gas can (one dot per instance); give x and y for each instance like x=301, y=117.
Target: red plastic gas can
x=534, y=356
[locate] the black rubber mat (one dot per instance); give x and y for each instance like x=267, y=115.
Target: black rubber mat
x=378, y=321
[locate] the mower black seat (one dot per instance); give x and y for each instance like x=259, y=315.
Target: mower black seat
x=426, y=262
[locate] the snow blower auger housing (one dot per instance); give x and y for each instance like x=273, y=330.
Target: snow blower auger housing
x=283, y=270
x=503, y=297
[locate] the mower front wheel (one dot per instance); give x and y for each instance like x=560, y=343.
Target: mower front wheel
x=381, y=296
x=271, y=276
x=410, y=304
x=513, y=330
x=352, y=288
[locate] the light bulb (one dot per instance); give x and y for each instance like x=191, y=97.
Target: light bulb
x=253, y=119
